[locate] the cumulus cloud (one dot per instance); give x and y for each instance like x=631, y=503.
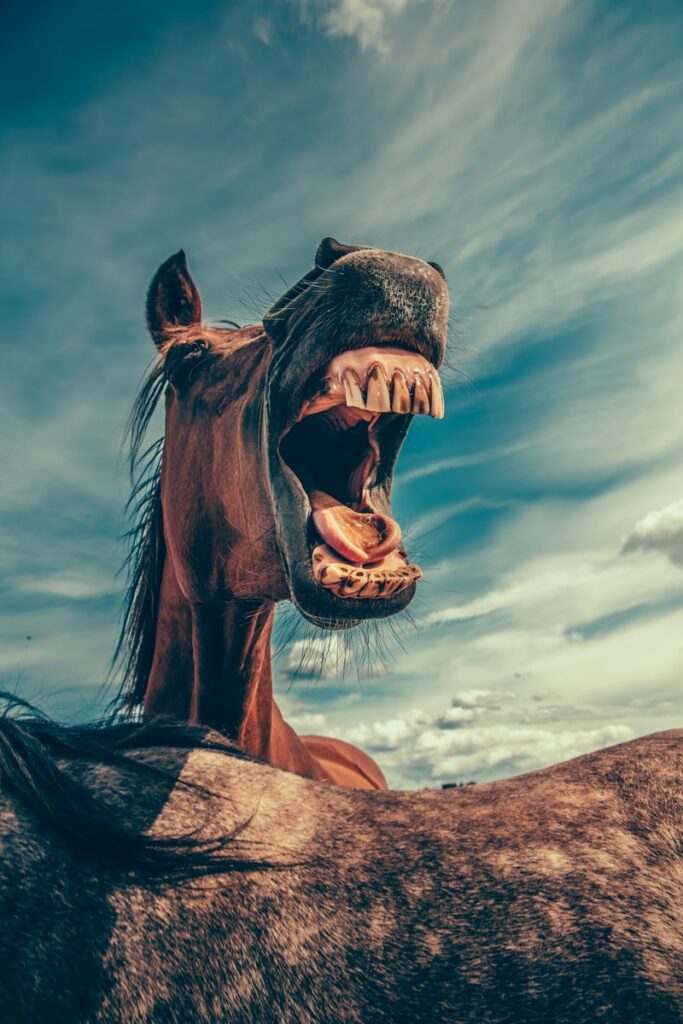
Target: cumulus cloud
x=468, y=706
x=321, y=654
x=491, y=699
x=492, y=751
x=307, y=721
x=660, y=530
x=393, y=733
x=363, y=20
x=483, y=734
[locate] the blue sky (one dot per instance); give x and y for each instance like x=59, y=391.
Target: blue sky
x=535, y=149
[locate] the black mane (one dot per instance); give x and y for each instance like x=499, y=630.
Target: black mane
x=30, y=746
x=144, y=564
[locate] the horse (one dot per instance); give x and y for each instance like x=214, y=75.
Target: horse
x=273, y=482
x=154, y=873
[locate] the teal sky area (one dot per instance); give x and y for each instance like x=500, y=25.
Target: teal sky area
x=535, y=149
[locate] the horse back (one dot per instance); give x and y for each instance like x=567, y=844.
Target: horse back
x=555, y=896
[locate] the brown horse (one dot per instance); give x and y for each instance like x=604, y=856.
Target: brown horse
x=552, y=898
x=274, y=483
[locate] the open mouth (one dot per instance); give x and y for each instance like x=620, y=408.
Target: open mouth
x=342, y=448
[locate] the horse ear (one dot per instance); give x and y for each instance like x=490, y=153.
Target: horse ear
x=172, y=299
x=328, y=252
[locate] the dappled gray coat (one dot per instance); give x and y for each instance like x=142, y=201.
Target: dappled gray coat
x=555, y=896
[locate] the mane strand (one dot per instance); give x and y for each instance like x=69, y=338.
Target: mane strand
x=144, y=563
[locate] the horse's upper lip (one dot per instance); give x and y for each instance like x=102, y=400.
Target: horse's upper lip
x=377, y=380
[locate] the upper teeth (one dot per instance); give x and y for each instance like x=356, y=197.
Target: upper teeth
x=380, y=380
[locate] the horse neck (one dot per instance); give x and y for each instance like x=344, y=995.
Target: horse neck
x=211, y=665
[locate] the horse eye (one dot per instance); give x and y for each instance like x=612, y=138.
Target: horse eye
x=181, y=357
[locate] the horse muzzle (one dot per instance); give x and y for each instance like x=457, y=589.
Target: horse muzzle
x=337, y=427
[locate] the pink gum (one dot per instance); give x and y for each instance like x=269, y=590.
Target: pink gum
x=361, y=361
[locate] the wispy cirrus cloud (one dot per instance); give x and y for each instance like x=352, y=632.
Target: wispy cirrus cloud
x=496, y=138
x=74, y=586
x=441, y=466
x=263, y=30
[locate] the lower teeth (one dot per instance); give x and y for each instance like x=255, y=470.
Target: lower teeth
x=350, y=581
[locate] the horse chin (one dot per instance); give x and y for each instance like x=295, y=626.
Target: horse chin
x=326, y=609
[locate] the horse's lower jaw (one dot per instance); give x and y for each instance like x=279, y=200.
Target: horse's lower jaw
x=380, y=579
x=325, y=609
x=335, y=594
x=360, y=554
x=331, y=465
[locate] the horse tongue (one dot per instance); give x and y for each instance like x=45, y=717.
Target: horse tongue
x=357, y=536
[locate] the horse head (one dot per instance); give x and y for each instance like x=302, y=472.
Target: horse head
x=281, y=439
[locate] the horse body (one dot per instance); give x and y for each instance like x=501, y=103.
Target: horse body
x=556, y=896
x=274, y=484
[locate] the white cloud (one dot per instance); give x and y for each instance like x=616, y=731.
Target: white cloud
x=71, y=585
x=491, y=699
x=391, y=734
x=508, y=749
x=263, y=30
x=323, y=657
x=322, y=654
x=490, y=741
x=434, y=519
x=555, y=565
x=363, y=20
x=456, y=715
x=454, y=462
x=572, y=647
x=536, y=585
x=469, y=706
x=661, y=530
x=307, y=722
x=563, y=616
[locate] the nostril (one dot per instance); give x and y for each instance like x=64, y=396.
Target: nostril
x=439, y=269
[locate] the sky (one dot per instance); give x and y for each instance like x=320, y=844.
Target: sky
x=535, y=149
